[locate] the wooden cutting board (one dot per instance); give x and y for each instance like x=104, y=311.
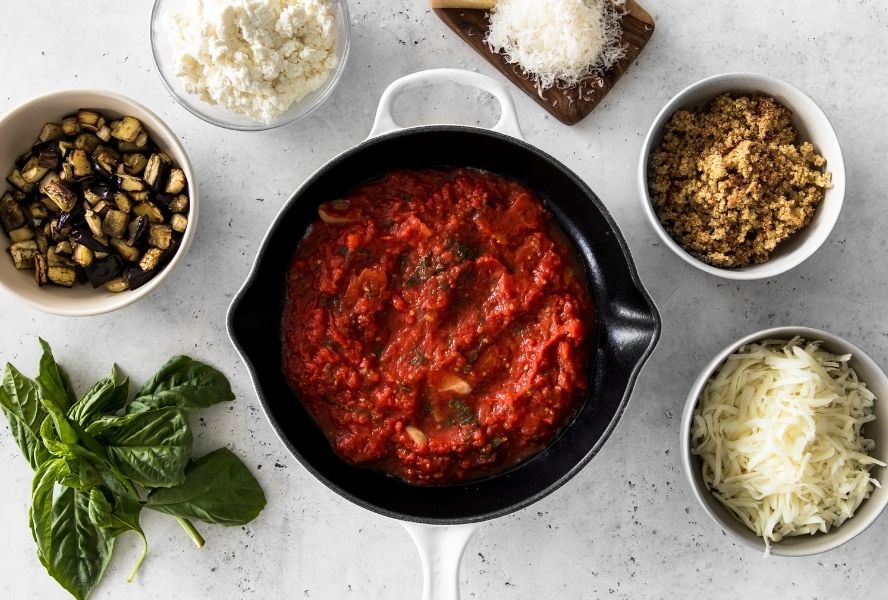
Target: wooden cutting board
x=569, y=105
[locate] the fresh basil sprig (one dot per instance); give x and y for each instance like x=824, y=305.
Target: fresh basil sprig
x=99, y=460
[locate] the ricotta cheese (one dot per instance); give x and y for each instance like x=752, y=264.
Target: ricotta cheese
x=254, y=57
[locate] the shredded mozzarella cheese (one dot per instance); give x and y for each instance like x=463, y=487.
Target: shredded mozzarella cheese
x=558, y=41
x=778, y=430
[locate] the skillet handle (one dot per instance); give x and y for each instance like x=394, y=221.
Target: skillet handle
x=508, y=121
x=441, y=549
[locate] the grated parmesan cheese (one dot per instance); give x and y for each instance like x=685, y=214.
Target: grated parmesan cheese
x=778, y=430
x=254, y=57
x=558, y=41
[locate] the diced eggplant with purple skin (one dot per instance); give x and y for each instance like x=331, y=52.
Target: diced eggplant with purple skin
x=84, y=237
x=82, y=255
x=115, y=223
x=104, y=133
x=134, y=163
x=38, y=213
x=107, y=160
x=41, y=270
x=48, y=155
x=63, y=248
x=23, y=254
x=32, y=172
x=79, y=161
x=130, y=183
x=87, y=142
x=156, y=170
x=11, y=214
x=94, y=222
x=90, y=120
x=150, y=210
x=58, y=192
x=138, y=227
x=70, y=126
x=103, y=270
x=136, y=277
x=126, y=252
x=42, y=241
x=143, y=196
x=97, y=192
x=179, y=204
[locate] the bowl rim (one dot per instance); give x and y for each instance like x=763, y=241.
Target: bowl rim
x=333, y=78
x=763, y=270
x=88, y=308
x=823, y=542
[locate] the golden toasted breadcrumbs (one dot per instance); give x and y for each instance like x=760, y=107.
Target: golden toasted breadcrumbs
x=729, y=182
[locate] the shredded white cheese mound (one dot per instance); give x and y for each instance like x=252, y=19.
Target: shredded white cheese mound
x=778, y=429
x=557, y=41
x=254, y=57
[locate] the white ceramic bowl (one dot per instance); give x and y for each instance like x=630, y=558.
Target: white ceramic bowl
x=162, y=49
x=875, y=379
x=18, y=130
x=812, y=125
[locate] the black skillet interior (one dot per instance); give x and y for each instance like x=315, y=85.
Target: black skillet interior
x=629, y=324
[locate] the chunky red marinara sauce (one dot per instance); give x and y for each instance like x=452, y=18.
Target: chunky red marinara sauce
x=435, y=325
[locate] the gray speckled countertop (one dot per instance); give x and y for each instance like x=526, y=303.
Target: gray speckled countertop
x=626, y=526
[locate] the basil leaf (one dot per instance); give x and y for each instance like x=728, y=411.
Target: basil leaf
x=40, y=513
x=184, y=383
x=20, y=401
x=109, y=395
x=52, y=380
x=150, y=448
x=78, y=552
x=218, y=488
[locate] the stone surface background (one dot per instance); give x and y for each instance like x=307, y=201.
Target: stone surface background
x=627, y=526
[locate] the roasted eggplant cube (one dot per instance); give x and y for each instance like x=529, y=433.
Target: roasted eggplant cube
x=58, y=192
x=115, y=223
x=134, y=163
x=179, y=223
x=42, y=241
x=55, y=255
x=41, y=270
x=89, y=119
x=23, y=254
x=50, y=131
x=150, y=210
x=127, y=129
x=176, y=182
x=11, y=214
x=179, y=204
x=130, y=183
x=87, y=141
x=127, y=252
x=160, y=236
x=106, y=158
x=156, y=170
x=70, y=126
x=151, y=259
x=82, y=255
x=136, y=277
x=16, y=180
x=22, y=234
x=104, y=133
x=94, y=222
x=32, y=171
x=63, y=276
x=79, y=161
x=84, y=237
x=123, y=201
x=137, y=229
x=103, y=270
x=117, y=285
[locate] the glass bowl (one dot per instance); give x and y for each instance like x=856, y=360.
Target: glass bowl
x=162, y=49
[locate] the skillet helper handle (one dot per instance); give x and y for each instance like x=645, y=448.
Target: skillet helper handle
x=508, y=121
x=441, y=549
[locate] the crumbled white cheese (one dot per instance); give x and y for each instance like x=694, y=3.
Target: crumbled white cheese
x=254, y=57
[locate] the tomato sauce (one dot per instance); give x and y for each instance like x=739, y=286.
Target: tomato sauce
x=435, y=325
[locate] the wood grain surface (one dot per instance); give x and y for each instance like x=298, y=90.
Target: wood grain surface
x=570, y=104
